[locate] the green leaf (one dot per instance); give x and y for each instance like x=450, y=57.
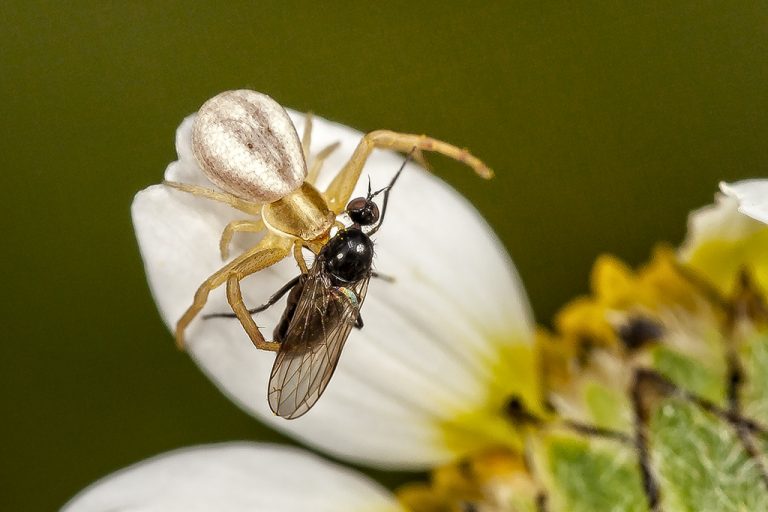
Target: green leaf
x=690, y=374
x=589, y=475
x=700, y=463
x=754, y=393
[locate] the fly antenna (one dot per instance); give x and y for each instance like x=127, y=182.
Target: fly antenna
x=387, y=189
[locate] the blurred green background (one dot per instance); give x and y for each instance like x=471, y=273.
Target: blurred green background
x=606, y=125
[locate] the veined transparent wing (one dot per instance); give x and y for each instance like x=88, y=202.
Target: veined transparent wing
x=307, y=358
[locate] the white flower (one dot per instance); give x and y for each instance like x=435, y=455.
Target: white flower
x=443, y=347
x=234, y=477
x=730, y=234
x=752, y=197
x=731, y=217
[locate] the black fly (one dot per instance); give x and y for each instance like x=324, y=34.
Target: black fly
x=322, y=307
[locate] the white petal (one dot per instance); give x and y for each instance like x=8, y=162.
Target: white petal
x=234, y=477
x=752, y=196
x=430, y=338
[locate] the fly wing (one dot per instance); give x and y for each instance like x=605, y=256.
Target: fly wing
x=308, y=355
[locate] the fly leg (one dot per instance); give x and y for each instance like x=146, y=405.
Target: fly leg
x=383, y=277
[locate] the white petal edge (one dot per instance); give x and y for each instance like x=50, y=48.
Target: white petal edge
x=234, y=477
x=429, y=337
x=752, y=197
x=734, y=215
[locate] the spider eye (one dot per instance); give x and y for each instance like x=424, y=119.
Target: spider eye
x=363, y=211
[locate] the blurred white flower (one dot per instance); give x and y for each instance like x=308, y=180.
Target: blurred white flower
x=751, y=195
x=235, y=477
x=729, y=235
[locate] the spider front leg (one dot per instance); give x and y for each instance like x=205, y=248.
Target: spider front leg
x=215, y=195
x=247, y=226
x=313, y=164
x=299, y=257
x=339, y=191
x=235, y=299
x=306, y=136
x=268, y=251
x=235, y=295
x=317, y=163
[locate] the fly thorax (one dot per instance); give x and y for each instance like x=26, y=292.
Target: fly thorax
x=348, y=256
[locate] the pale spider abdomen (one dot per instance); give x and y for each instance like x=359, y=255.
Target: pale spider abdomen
x=246, y=144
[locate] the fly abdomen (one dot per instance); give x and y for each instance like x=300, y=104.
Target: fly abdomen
x=281, y=329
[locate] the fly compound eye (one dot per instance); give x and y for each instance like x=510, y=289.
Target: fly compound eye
x=363, y=211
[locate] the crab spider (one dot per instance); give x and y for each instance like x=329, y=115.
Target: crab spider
x=246, y=144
